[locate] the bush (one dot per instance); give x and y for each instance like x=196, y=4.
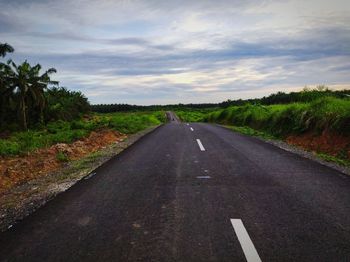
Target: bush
x=9, y=147
x=192, y=115
x=65, y=105
x=62, y=157
x=129, y=123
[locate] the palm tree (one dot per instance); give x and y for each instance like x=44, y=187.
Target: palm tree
x=38, y=85
x=5, y=48
x=5, y=83
x=29, y=86
x=6, y=89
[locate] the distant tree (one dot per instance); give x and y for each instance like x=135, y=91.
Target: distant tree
x=5, y=48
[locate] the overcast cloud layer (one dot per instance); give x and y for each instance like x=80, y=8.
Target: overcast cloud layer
x=160, y=51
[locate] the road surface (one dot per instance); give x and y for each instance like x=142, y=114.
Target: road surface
x=193, y=192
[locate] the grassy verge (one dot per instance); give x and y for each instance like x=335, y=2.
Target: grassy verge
x=67, y=132
x=333, y=159
x=280, y=120
x=251, y=132
x=130, y=123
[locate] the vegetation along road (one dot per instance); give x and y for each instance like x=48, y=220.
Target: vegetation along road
x=193, y=192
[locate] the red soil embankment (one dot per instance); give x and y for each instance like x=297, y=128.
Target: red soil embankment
x=19, y=169
x=327, y=142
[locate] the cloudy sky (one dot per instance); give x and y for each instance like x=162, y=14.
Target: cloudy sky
x=171, y=51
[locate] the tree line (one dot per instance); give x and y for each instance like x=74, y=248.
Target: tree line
x=306, y=95
x=110, y=108
x=30, y=98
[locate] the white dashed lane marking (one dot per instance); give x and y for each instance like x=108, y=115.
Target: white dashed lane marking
x=203, y=177
x=201, y=147
x=246, y=243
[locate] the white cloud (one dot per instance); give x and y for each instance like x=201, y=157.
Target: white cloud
x=160, y=51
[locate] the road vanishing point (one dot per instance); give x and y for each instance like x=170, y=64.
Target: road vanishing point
x=193, y=192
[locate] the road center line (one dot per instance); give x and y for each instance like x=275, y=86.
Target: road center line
x=246, y=243
x=191, y=129
x=203, y=177
x=200, y=145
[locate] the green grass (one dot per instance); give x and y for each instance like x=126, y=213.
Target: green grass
x=68, y=132
x=339, y=161
x=62, y=157
x=129, y=123
x=192, y=115
x=279, y=120
x=246, y=130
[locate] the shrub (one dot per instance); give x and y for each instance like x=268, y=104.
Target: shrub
x=62, y=157
x=9, y=147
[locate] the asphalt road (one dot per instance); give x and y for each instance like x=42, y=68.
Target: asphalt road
x=171, y=197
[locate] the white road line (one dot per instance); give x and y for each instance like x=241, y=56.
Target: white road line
x=191, y=129
x=247, y=245
x=188, y=124
x=200, y=145
x=203, y=177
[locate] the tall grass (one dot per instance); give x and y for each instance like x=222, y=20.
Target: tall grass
x=129, y=123
x=192, y=115
x=327, y=113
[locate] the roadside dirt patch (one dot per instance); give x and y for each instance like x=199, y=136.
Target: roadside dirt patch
x=20, y=169
x=328, y=142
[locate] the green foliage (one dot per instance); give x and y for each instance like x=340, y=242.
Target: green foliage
x=305, y=96
x=29, y=98
x=192, y=115
x=161, y=116
x=129, y=123
x=5, y=48
x=339, y=160
x=67, y=132
x=22, y=142
x=62, y=157
x=9, y=147
x=251, y=132
x=111, y=108
x=327, y=113
x=66, y=105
